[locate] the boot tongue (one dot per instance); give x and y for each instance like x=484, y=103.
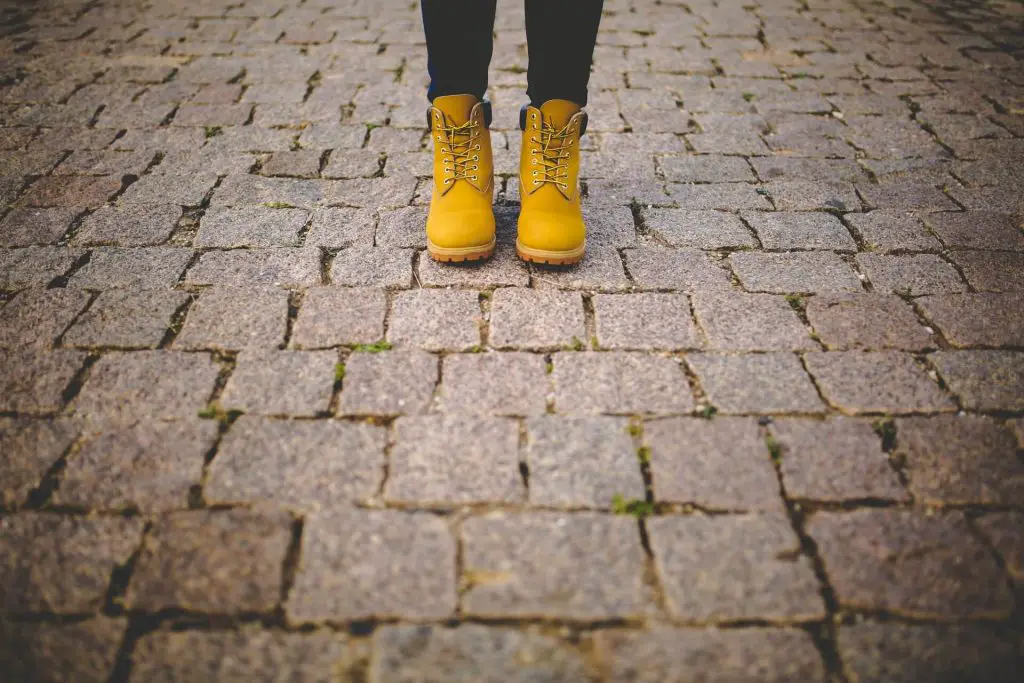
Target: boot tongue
x=558, y=112
x=456, y=107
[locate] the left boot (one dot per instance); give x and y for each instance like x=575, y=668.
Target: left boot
x=551, y=228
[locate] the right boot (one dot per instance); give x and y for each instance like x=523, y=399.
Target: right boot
x=460, y=224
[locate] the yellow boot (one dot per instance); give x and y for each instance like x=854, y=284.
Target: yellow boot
x=460, y=225
x=551, y=226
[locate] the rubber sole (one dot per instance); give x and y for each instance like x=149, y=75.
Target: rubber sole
x=551, y=258
x=460, y=254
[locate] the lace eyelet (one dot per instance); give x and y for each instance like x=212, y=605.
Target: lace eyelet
x=533, y=161
x=536, y=183
x=447, y=181
x=476, y=158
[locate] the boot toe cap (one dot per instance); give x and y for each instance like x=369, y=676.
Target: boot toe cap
x=454, y=230
x=553, y=232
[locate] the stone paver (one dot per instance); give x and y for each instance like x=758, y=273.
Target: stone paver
x=684, y=270
x=114, y=267
x=911, y=274
x=129, y=225
x=250, y=226
x=762, y=383
x=698, y=229
x=983, y=319
x=48, y=653
x=469, y=386
x=983, y=380
x=281, y=382
x=866, y=321
x=798, y=272
x=876, y=382
x=536, y=320
x=235, y=318
x=47, y=312
x=332, y=316
x=436, y=320
x=281, y=267
x=750, y=322
x=804, y=230
x=620, y=383
x=126, y=319
x=645, y=321
x=30, y=448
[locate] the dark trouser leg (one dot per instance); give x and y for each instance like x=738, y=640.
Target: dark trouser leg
x=459, y=43
x=561, y=36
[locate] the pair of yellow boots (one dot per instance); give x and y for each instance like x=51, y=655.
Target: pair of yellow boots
x=460, y=225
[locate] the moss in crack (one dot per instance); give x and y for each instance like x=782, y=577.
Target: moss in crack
x=576, y=344
x=375, y=347
x=708, y=412
x=643, y=454
x=339, y=372
x=634, y=507
x=212, y=131
x=774, y=448
x=749, y=96
x=277, y=205
x=885, y=427
x=214, y=411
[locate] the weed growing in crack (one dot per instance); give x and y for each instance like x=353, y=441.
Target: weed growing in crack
x=277, y=205
x=637, y=508
x=215, y=412
x=339, y=372
x=212, y=131
x=885, y=427
x=576, y=344
x=774, y=448
x=644, y=454
x=749, y=96
x=708, y=412
x=633, y=429
x=549, y=367
x=375, y=347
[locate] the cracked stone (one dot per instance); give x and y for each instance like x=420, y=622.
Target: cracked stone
x=281, y=382
x=1003, y=530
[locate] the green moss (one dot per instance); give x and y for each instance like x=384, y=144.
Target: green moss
x=634, y=429
x=774, y=448
x=212, y=131
x=375, y=347
x=749, y=96
x=885, y=427
x=277, y=205
x=577, y=344
x=644, y=454
x=215, y=412
x=339, y=372
x=708, y=412
x=549, y=367
x=637, y=508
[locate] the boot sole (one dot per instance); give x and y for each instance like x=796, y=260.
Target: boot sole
x=460, y=254
x=552, y=258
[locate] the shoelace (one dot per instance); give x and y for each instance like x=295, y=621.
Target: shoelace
x=555, y=147
x=459, y=141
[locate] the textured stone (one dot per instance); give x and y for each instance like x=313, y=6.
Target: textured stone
x=673, y=655
x=24, y=227
x=129, y=225
x=341, y=227
x=600, y=270
x=866, y=321
x=619, y=383
x=645, y=321
x=977, y=230
x=126, y=319
x=110, y=267
x=698, y=229
x=984, y=319
x=530, y=319
x=806, y=230
x=912, y=274
x=332, y=316
x=35, y=265
x=281, y=382
x=186, y=189
x=250, y=226
x=706, y=169
x=984, y=380
x=72, y=191
x=761, y=383
x=37, y=317
x=960, y=459
x=469, y=384
x=892, y=231
x=303, y=163
x=359, y=564
x=721, y=569
x=448, y=460
x=249, y=654
x=218, y=561
x=1004, y=532
x=549, y=565
x=246, y=267
x=834, y=460
x=750, y=322
x=305, y=465
x=679, y=269
x=504, y=269
x=83, y=652
x=907, y=562
x=30, y=448
x=33, y=381
x=402, y=228
x=125, y=388
x=235, y=318
x=992, y=271
x=436, y=319
x=876, y=382
x=806, y=272
x=62, y=564
x=390, y=383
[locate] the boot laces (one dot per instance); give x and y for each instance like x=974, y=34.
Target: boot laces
x=555, y=148
x=458, y=151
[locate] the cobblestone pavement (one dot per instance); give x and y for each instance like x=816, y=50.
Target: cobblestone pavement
x=770, y=429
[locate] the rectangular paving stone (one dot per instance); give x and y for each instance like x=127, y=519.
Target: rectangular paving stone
x=750, y=322
x=37, y=317
x=909, y=563
x=25, y=227
x=219, y=561
x=645, y=321
x=389, y=383
x=866, y=321
x=756, y=383
x=610, y=227
x=719, y=464
x=61, y=563
x=906, y=194
x=729, y=568
x=127, y=387
x=960, y=459
x=1003, y=530
x=531, y=319
x=580, y=566
x=34, y=380
x=471, y=652
x=879, y=652
x=983, y=319
x=795, y=168
x=404, y=227
x=71, y=191
x=799, y=272
x=111, y=267
x=363, y=564
x=581, y=461
x=991, y=271
x=837, y=459
x=303, y=163
x=698, y=229
x=912, y=274
x=235, y=318
x=30, y=448
x=977, y=230
x=889, y=230
x=983, y=380
x=302, y=464
x=804, y=230
x=469, y=386
x=706, y=169
x=673, y=655
x=341, y=227
x=248, y=654
x=620, y=383
x=373, y=267
x=82, y=651
x=149, y=467
x=266, y=382
x=352, y=163
x=504, y=269
x=282, y=267
x=436, y=319
x=128, y=225
x=250, y=226
x=333, y=316
x=876, y=382
x=126, y=319
x=449, y=460
x=685, y=270
x=32, y=266
x=812, y=195
x=183, y=189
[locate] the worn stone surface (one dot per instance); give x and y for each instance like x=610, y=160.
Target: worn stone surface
x=804, y=230
x=61, y=563
x=910, y=563
x=535, y=320
x=281, y=267
x=645, y=321
x=359, y=266
x=794, y=273
x=763, y=383
x=866, y=321
x=580, y=566
x=977, y=230
x=30, y=448
x=876, y=382
x=983, y=380
x=750, y=322
x=46, y=312
x=235, y=318
x=25, y=227
x=720, y=569
x=388, y=383
x=991, y=271
x=129, y=225
x=698, y=229
x=332, y=316
x=1004, y=532
x=113, y=267
x=436, y=320
x=250, y=226
x=983, y=319
x=34, y=381
x=363, y=564
x=217, y=561
x=35, y=266
x=126, y=319
x=281, y=382
x=684, y=270
x=469, y=384
x=912, y=274
x=50, y=653
x=619, y=383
